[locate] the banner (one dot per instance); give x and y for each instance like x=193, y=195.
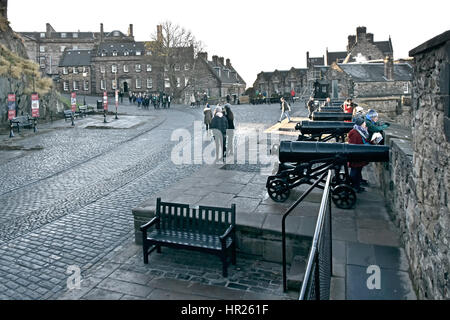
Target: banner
x=11, y=106
x=105, y=101
x=73, y=101
x=35, y=105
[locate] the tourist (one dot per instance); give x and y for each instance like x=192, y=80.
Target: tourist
x=358, y=112
x=358, y=135
x=285, y=108
x=219, y=124
x=311, y=105
x=207, y=116
x=230, y=132
x=327, y=102
x=373, y=125
x=169, y=99
x=192, y=100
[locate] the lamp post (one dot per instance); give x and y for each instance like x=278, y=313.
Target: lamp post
x=116, y=96
x=84, y=87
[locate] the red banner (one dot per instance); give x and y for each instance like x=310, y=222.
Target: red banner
x=105, y=101
x=73, y=101
x=11, y=106
x=35, y=105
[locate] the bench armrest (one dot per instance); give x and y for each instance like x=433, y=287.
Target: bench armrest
x=149, y=224
x=227, y=233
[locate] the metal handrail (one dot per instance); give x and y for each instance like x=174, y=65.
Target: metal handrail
x=283, y=225
x=313, y=256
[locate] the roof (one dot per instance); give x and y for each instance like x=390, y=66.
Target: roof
x=75, y=58
x=430, y=44
x=374, y=72
x=121, y=47
x=336, y=56
x=317, y=61
x=384, y=46
x=224, y=78
x=57, y=35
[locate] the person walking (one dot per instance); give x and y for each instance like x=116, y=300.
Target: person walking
x=169, y=99
x=207, y=112
x=219, y=124
x=230, y=132
x=311, y=105
x=192, y=100
x=285, y=108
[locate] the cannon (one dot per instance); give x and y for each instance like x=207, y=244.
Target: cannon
x=330, y=109
x=314, y=130
x=331, y=116
x=304, y=162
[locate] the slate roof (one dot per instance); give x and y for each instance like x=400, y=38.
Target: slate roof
x=317, y=61
x=121, y=47
x=385, y=47
x=75, y=58
x=337, y=55
x=57, y=35
x=374, y=72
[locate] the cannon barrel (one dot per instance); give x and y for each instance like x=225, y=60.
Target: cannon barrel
x=296, y=151
x=324, y=127
x=330, y=109
x=331, y=116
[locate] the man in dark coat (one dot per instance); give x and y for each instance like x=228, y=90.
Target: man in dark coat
x=219, y=126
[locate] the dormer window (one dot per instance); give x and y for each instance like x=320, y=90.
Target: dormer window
x=126, y=53
x=103, y=54
x=116, y=33
x=114, y=53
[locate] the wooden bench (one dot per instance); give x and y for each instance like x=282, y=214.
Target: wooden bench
x=206, y=229
x=23, y=121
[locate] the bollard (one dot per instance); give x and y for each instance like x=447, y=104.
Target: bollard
x=71, y=117
x=11, y=133
x=104, y=116
x=34, y=125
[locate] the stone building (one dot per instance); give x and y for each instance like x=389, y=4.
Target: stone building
x=417, y=181
x=281, y=81
x=362, y=47
x=76, y=75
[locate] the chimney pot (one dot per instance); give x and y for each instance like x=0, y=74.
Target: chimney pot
x=389, y=68
x=130, y=30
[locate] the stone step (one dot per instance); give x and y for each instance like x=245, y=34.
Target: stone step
x=296, y=273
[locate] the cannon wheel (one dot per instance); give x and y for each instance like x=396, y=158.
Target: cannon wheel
x=278, y=190
x=342, y=178
x=343, y=196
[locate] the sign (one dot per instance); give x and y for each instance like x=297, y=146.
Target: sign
x=73, y=101
x=35, y=105
x=105, y=101
x=11, y=106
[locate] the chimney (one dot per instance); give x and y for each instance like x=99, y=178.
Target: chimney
x=215, y=59
x=101, y=32
x=228, y=63
x=307, y=59
x=221, y=60
x=159, y=33
x=360, y=34
x=389, y=68
x=4, y=8
x=351, y=43
x=130, y=30
x=369, y=37
x=203, y=55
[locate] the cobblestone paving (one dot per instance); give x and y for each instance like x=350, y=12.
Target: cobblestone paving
x=71, y=203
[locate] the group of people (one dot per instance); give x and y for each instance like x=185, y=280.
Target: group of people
x=196, y=98
x=161, y=100
x=221, y=123
x=367, y=130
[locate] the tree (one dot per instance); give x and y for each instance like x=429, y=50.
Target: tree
x=174, y=49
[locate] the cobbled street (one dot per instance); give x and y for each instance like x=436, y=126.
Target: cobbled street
x=70, y=198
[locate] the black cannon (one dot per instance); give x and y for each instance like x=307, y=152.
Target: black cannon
x=323, y=131
x=304, y=162
x=331, y=116
x=330, y=109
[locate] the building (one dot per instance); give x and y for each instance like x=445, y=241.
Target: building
x=362, y=47
x=281, y=81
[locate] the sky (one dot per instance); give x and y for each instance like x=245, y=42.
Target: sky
x=256, y=35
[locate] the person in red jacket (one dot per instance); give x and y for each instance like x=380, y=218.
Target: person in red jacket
x=358, y=135
x=348, y=107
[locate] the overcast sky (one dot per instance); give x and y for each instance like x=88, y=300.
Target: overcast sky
x=256, y=35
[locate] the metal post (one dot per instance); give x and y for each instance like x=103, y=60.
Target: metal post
x=11, y=133
x=104, y=115
x=71, y=117
x=34, y=125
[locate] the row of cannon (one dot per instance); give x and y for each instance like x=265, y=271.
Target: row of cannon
x=305, y=160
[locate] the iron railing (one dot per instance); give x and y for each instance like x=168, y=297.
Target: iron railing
x=316, y=283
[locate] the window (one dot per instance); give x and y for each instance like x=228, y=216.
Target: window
x=102, y=69
x=75, y=47
x=42, y=34
x=149, y=83
x=149, y=68
x=177, y=67
x=125, y=68
x=116, y=33
x=85, y=70
x=186, y=66
x=114, y=53
x=178, y=82
x=75, y=70
x=186, y=81
x=63, y=35
x=149, y=53
x=103, y=53
x=138, y=53
x=166, y=83
x=65, y=70
x=75, y=35
x=66, y=85
x=114, y=68
x=75, y=85
x=62, y=48
x=138, y=68
x=102, y=85
x=41, y=48
x=114, y=84
x=138, y=83
x=86, y=85
x=126, y=53
x=166, y=68
x=406, y=88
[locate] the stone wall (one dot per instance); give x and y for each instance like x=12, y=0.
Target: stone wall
x=382, y=89
x=417, y=182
